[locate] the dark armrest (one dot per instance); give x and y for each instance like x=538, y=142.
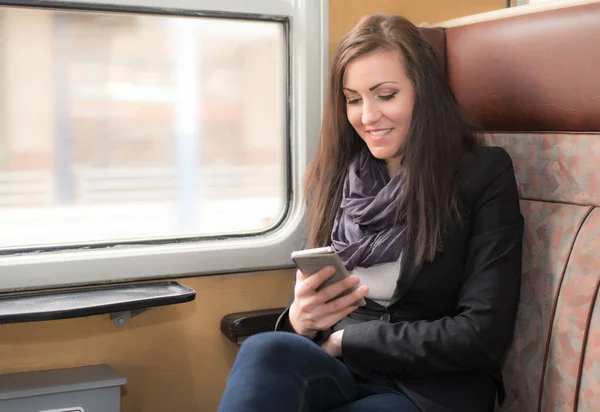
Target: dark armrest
x=238, y=326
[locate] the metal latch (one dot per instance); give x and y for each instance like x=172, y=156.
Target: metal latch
x=120, y=319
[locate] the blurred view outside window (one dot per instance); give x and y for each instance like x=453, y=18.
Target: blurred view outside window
x=125, y=127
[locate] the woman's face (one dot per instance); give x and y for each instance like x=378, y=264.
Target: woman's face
x=379, y=103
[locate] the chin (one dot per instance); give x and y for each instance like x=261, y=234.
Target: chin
x=382, y=153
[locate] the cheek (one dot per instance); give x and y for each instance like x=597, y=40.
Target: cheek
x=405, y=111
x=401, y=114
x=354, y=115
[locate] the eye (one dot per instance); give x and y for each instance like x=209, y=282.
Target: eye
x=388, y=96
x=353, y=101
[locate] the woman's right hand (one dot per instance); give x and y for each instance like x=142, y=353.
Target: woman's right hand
x=313, y=311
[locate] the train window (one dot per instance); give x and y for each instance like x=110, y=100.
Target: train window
x=124, y=126
x=140, y=129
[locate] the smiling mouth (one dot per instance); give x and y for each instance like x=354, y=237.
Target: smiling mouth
x=380, y=132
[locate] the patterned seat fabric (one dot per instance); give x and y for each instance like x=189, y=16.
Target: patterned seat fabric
x=556, y=345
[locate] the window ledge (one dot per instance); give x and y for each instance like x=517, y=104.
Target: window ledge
x=121, y=301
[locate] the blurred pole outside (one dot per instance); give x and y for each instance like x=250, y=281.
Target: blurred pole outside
x=187, y=125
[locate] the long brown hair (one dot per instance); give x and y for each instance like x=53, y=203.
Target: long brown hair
x=437, y=139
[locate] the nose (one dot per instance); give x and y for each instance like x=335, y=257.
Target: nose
x=371, y=113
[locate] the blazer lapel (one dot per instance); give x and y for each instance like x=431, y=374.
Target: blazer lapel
x=409, y=270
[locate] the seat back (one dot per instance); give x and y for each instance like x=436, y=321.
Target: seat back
x=531, y=81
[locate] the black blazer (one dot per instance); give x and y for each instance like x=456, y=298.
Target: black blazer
x=445, y=333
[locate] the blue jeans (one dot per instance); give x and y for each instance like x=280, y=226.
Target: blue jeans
x=284, y=372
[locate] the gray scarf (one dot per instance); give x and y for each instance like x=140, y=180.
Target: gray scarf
x=368, y=228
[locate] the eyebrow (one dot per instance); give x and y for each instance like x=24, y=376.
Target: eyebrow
x=371, y=88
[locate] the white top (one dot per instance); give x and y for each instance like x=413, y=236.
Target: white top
x=381, y=280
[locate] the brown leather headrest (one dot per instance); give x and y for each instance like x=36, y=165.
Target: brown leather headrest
x=437, y=38
x=535, y=72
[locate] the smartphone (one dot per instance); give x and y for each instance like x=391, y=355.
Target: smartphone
x=310, y=261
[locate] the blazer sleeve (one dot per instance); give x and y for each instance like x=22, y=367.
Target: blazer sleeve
x=477, y=336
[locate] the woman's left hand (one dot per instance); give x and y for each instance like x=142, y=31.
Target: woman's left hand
x=333, y=344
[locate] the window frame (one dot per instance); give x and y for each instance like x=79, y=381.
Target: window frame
x=306, y=32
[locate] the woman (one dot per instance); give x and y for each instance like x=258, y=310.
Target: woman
x=429, y=221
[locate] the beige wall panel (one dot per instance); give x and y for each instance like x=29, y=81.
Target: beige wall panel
x=174, y=357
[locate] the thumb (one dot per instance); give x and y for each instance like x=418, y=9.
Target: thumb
x=300, y=277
